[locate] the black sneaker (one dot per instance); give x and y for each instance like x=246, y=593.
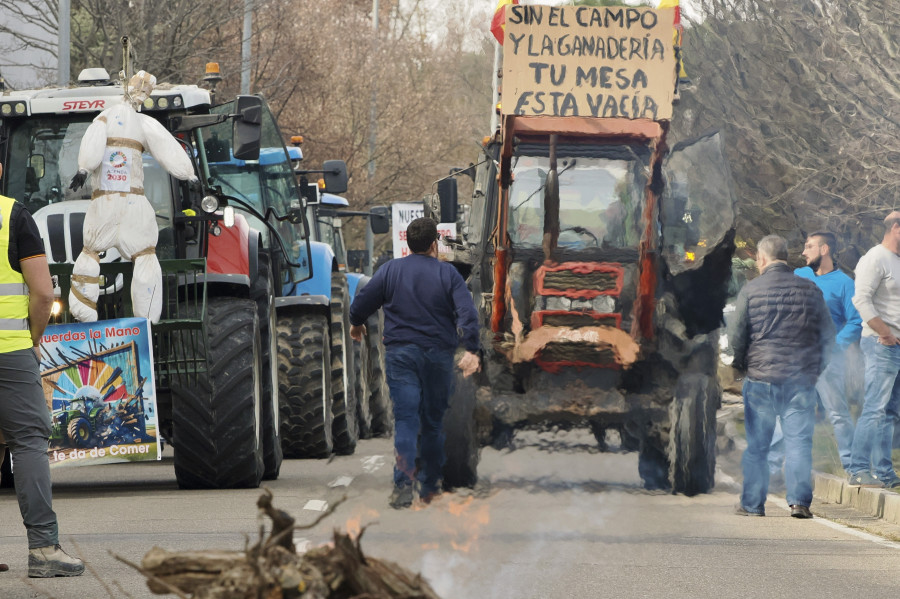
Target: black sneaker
x=50, y=561
x=800, y=511
x=401, y=497
x=740, y=511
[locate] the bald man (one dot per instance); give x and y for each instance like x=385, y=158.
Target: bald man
x=877, y=298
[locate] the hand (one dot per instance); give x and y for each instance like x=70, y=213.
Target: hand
x=888, y=339
x=78, y=180
x=37, y=351
x=469, y=363
x=194, y=184
x=357, y=332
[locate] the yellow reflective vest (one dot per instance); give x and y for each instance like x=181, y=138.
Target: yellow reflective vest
x=14, y=331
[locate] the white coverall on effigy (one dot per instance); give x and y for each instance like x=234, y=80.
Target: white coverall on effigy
x=120, y=215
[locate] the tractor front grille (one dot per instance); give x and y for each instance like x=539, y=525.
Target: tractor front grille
x=565, y=280
x=574, y=353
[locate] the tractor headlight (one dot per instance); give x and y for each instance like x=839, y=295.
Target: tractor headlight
x=209, y=204
x=557, y=302
x=10, y=108
x=604, y=304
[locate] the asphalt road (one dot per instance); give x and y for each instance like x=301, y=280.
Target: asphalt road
x=551, y=519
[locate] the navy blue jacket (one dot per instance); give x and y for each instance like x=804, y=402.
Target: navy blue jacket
x=426, y=303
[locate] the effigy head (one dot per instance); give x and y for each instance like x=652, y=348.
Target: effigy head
x=139, y=88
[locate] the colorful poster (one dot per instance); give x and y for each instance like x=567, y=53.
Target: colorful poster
x=98, y=381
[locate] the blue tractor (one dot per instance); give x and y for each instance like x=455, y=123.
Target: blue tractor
x=361, y=403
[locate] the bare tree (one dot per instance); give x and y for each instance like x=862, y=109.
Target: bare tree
x=426, y=74
x=170, y=37
x=808, y=93
x=325, y=71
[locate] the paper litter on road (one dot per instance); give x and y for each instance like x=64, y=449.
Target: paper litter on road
x=316, y=505
x=302, y=544
x=372, y=463
x=341, y=481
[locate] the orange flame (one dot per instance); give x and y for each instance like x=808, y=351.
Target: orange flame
x=465, y=533
x=354, y=525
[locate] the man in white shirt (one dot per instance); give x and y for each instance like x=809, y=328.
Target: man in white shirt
x=877, y=299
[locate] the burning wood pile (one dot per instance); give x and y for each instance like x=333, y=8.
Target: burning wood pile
x=272, y=569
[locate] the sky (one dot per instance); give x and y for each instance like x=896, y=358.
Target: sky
x=480, y=10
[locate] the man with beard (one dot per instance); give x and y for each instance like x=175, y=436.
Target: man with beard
x=838, y=290
x=781, y=335
x=878, y=300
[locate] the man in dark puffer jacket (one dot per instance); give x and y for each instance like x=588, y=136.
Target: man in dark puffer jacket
x=781, y=336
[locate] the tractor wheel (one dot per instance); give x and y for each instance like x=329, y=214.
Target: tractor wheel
x=692, y=439
x=217, y=420
x=263, y=293
x=304, y=385
x=345, y=428
x=461, y=446
x=363, y=375
x=80, y=432
x=380, y=404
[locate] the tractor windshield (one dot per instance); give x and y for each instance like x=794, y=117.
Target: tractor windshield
x=601, y=200
x=263, y=184
x=43, y=158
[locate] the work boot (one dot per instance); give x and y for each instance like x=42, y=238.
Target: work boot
x=402, y=497
x=50, y=561
x=800, y=511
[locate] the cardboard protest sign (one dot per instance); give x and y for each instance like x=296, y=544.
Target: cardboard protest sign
x=614, y=61
x=403, y=213
x=98, y=382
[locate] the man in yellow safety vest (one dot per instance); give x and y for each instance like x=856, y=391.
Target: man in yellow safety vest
x=26, y=297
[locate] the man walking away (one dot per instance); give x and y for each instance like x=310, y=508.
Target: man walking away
x=26, y=296
x=781, y=336
x=838, y=290
x=878, y=300
x=425, y=303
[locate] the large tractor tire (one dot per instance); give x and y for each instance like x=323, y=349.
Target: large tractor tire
x=217, y=419
x=683, y=460
x=304, y=385
x=692, y=439
x=364, y=373
x=380, y=404
x=79, y=432
x=263, y=293
x=345, y=427
x=461, y=446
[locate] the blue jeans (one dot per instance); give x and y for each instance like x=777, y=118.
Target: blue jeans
x=795, y=404
x=421, y=381
x=832, y=390
x=875, y=427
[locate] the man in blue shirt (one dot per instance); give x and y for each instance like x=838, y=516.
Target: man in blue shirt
x=838, y=290
x=428, y=313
